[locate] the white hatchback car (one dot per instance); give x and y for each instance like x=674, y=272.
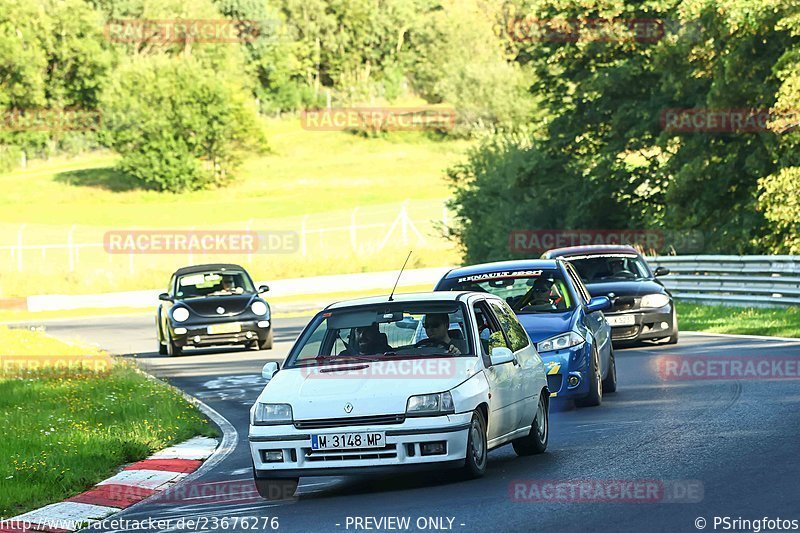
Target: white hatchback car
x=365, y=390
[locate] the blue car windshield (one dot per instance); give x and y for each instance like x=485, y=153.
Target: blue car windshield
x=526, y=291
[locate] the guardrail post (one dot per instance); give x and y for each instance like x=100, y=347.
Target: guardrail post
x=19, y=247
x=303, y=249
x=71, y=247
x=353, y=238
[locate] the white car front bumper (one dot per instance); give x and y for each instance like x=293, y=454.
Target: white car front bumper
x=401, y=453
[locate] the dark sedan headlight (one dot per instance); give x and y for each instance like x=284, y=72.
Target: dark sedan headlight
x=181, y=314
x=654, y=301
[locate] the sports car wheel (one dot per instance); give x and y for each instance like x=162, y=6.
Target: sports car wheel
x=475, y=463
x=162, y=349
x=610, y=383
x=173, y=349
x=277, y=489
x=595, y=396
x=536, y=441
x=266, y=344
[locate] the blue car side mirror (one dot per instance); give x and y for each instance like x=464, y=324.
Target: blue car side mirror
x=598, y=303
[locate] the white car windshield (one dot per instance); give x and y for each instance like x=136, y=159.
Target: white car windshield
x=391, y=330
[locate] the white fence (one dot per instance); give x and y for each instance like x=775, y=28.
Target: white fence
x=368, y=230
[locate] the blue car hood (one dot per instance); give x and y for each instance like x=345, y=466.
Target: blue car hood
x=542, y=326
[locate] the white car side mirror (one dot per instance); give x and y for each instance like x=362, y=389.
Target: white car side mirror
x=269, y=370
x=501, y=355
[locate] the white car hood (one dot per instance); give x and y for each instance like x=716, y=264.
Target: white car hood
x=378, y=388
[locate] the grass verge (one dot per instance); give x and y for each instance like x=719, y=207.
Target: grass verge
x=67, y=429
x=777, y=322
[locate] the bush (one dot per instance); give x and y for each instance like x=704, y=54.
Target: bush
x=779, y=199
x=177, y=125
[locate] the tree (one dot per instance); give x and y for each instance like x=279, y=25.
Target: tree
x=177, y=125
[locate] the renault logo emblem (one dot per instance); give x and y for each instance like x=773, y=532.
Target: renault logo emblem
x=348, y=407
x=220, y=310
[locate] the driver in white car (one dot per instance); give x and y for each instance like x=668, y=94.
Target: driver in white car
x=436, y=327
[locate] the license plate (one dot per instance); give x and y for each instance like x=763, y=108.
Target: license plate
x=348, y=441
x=621, y=320
x=224, y=328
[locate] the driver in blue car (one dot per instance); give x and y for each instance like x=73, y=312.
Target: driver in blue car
x=437, y=327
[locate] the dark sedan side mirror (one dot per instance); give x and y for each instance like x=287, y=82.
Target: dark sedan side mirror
x=263, y=288
x=661, y=271
x=598, y=303
x=165, y=297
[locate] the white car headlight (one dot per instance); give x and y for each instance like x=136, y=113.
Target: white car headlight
x=180, y=314
x=560, y=342
x=259, y=308
x=652, y=301
x=430, y=404
x=268, y=414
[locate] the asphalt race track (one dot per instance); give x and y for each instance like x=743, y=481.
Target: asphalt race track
x=737, y=441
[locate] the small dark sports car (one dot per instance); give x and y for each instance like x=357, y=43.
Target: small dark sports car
x=642, y=308
x=212, y=305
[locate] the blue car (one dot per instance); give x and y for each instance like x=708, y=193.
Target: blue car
x=565, y=323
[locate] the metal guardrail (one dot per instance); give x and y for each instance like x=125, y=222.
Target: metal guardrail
x=753, y=281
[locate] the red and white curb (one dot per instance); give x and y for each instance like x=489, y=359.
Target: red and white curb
x=135, y=483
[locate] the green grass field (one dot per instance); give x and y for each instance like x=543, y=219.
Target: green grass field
x=778, y=322
x=66, y=430
x=310, y=178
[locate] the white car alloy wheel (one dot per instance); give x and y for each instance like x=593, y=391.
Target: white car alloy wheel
x=475, y=463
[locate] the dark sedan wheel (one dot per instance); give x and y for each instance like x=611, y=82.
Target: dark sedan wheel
x=477, y=447
x=536, y=441
x=595, y=396
x=673, y=339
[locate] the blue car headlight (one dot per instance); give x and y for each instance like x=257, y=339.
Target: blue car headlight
x=560, y=342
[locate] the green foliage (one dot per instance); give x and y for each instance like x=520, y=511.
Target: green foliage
x=177, y=125
x=602, y=159
x=780, y=201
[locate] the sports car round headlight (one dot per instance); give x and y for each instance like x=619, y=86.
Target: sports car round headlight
x=259, y=308
x=180, y=314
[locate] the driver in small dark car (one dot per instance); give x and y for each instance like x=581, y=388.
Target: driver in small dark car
x=437, y=327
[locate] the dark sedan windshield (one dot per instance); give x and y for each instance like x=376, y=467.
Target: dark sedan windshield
x=526, y=291
x=608, y=267
x=213, y=283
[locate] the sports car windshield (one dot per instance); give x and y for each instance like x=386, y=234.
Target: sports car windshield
x=604, y=268
x=394, y=330
x=212, y=283
x=526, y=291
